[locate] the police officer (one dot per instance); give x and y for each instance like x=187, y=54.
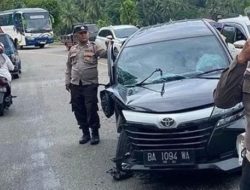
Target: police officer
x=81, y=79
x=234, y=87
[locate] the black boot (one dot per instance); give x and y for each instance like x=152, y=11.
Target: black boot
x=85, y=137
x=95, y=138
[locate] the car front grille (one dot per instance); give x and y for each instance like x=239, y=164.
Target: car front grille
x=193, y=135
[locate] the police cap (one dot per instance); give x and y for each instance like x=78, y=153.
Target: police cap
x=80, y=28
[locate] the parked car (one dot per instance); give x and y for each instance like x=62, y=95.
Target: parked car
x=118, y=33
x=219, y=26
x=161, y=92
x=12, y=52
x=69, y=40
x=236, y=30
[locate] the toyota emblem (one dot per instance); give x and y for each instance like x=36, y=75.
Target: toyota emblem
x=167, y=122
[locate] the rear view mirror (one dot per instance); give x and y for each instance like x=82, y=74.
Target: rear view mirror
x=239, y=44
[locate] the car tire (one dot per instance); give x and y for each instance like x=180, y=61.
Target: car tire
x=123, y=147
x=1, y=109
x=41, y=45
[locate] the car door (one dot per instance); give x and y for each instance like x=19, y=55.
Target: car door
x=107, y=102
x=102, y=37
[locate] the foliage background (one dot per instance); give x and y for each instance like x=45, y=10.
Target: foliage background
x=137, y=12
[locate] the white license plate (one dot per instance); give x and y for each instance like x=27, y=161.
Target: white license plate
x=3, y=90
x=171, y=157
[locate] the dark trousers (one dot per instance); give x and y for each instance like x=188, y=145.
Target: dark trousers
x=245, y=178
x=84, y=105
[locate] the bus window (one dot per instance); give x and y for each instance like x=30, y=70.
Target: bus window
x=6, y=20
x=18, y=22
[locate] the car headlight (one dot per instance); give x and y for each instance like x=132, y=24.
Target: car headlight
x=228, y=115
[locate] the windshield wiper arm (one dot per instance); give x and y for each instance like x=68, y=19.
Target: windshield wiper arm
x=210, y=71
x=143, y=81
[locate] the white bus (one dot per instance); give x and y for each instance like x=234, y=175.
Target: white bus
x=27, y=26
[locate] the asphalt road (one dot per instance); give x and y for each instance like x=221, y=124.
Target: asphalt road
x=39, y=139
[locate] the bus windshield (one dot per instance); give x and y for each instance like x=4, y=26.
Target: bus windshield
x=37, y=22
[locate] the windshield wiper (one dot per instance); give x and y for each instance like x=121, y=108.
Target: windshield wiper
x=143, y=81
x=170, y=78
x=210, y=71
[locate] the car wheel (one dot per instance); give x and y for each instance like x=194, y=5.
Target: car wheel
x=123, y=147
x=1, y=109
x=41, y=45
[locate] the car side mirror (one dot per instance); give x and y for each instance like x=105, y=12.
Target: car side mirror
x=239, y=44
x=107, y=103
x=229, y=32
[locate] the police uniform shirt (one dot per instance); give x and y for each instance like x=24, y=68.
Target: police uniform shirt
x=82, y=64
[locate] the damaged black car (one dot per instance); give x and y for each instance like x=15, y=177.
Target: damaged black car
x=161, y=93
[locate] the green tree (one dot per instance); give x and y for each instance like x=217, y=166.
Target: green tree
x=11, y=4
x=128, y=13
x=68, y=16
x=112, y=11
x=149, y=12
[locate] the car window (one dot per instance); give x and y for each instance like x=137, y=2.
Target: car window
x=109, y=33
x=92, y=28
x=186, y=57
x=11, y=43
x=9, y=47
x=125, y=32
x=102, y=33
x=240, y=35
x=105, y=33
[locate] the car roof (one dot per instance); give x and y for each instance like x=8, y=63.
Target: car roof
x=24, y=10
x=171, y=31
x=115, y=27
x=240, y=19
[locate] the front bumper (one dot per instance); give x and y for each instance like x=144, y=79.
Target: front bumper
x=224, y=165
x=215, y=147
x=39, y=41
